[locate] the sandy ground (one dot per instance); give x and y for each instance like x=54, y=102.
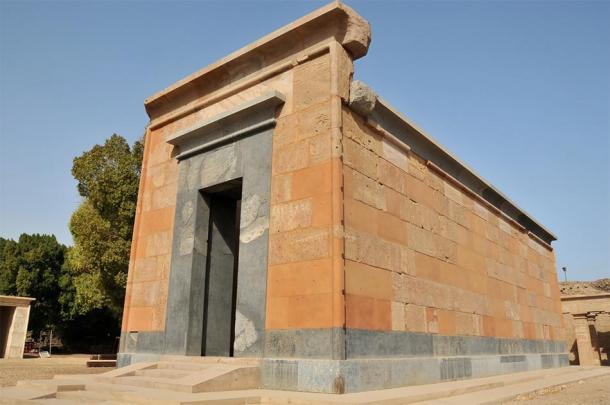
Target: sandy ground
x=590, y=391
x=13, y=370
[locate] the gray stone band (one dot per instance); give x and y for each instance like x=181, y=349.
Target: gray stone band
x=345, y=376
x=319, y=344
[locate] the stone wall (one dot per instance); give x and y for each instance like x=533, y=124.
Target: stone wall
x=425, y=256
x=148, y=279
x=305, y=272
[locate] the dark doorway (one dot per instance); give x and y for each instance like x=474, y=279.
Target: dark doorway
x=6, y=320
x=224, y=202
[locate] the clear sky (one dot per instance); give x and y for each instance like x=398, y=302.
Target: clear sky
x=519, y=90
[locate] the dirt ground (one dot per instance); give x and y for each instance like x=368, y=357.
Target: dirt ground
x=592, y=391
x=13, y=370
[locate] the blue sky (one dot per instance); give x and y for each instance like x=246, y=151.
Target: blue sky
x=518, y=90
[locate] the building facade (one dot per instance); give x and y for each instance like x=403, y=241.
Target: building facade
x=587, y=321
x=14, y=318
x=288, y=213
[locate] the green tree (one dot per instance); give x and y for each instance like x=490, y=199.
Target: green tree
x=108, y=178
x=32, y=267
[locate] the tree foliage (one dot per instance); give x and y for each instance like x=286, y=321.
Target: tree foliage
x=102, y=226
x=80, y=288
x=32, y=267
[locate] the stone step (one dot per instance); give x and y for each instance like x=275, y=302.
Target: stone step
x=220, y=377
x=58, y=401
x=150, y=396
x=86, y=396
x=244, y=361
x=16, y=395
x=56, y=385
x=185, y=366
x=164, y=373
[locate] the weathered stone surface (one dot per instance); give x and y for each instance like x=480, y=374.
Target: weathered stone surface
x=361, y=240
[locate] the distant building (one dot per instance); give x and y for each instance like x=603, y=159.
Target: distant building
x=14, y=317
x=587, y=320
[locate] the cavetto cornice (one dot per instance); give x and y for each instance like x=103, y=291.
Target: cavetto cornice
x=334, y=21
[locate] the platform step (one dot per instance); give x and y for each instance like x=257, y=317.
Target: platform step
x=243, y=361
x=184, y=366
x=150, y=396
x=16, y=395
x=163, y=373
x=86, y=396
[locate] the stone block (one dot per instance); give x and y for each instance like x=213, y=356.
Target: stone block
x=427, y=267
x=432, y=321
x=319, y=149
x=364, y=248
x=291, y=157
x=140, y=318
x=285, y=131
x=398, y=316
x=367, y=313
x=299, y=245
x=360, y=216
x=393, y=154
x=367, y=190
x=159, y=243
x=446, y=322
x=301, y=278
x=360, y=159
x=407, y=261
x=421, y=240
x=453, y=193
x=311, y=82
x=291, y=215
x=394, y=201
x=164, y=197
x=367, y=281
x=153, y=221
x=418, y=191
x=390, y=176
x=311, y=181
x=299, y=311
x=281, y=188
x=392, y=228
x=323, y=210
x=313, y=121
x=417, y=167
x=459, y=214
x=355, y=129
x=415, y=318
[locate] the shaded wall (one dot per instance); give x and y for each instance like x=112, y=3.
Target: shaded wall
x=427, y=260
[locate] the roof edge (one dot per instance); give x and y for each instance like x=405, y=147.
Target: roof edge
x=335, y=20
x=367, y=103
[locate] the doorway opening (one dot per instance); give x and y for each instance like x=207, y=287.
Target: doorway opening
x=224, y=203
x=6, y=319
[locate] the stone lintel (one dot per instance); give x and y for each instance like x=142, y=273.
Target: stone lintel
x=14, y=301
x=228, y=126
x=334, y=21
x=379, y=113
